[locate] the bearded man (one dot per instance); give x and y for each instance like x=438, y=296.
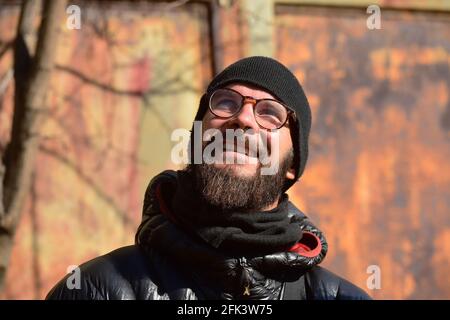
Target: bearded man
x=225, y=228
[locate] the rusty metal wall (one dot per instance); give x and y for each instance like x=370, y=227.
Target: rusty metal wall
x=378, y=177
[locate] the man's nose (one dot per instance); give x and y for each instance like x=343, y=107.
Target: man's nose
x=245, y=119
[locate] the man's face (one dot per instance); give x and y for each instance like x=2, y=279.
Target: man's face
x=245, y=120
x=242, y=186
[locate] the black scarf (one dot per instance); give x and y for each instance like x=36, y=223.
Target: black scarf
x=234, y=233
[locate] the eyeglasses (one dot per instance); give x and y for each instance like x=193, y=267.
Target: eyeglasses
x=270, y=114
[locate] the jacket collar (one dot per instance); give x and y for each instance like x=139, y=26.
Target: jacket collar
x=218, y=275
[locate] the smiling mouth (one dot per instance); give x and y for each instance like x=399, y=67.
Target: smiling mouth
x=240, y=150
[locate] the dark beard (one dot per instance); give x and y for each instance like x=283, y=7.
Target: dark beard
x=222, y=189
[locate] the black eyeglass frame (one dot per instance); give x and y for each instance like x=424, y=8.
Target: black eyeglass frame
x=290, y=112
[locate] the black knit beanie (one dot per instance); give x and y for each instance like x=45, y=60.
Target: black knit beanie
x=270, y=75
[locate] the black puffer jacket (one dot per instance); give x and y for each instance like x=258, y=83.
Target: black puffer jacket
x=166, y=263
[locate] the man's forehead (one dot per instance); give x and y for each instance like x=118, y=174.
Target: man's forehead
x=250, y=90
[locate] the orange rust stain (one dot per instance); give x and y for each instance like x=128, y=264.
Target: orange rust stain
x=378, y=175
x=389, y=63
x=441, y=259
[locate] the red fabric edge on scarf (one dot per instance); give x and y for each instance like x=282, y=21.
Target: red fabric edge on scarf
x=308, y=246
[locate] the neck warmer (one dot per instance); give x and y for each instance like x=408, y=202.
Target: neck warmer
x=235, y=233
x=210, y=272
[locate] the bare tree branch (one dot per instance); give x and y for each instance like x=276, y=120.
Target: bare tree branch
x=90, y=183
x=174, y=4
x=31, y=83
x=35, y=248
x=4, y=82
x=98, y=84
x=5, y=48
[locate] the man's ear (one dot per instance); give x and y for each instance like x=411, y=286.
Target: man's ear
x=290, y=174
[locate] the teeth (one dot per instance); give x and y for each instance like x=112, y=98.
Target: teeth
x=239, y=149
x=247, y=152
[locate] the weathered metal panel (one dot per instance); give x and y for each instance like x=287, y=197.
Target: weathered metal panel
x=378, y=176
x=432, y=5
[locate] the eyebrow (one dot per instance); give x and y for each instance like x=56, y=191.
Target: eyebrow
x=270, y=96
